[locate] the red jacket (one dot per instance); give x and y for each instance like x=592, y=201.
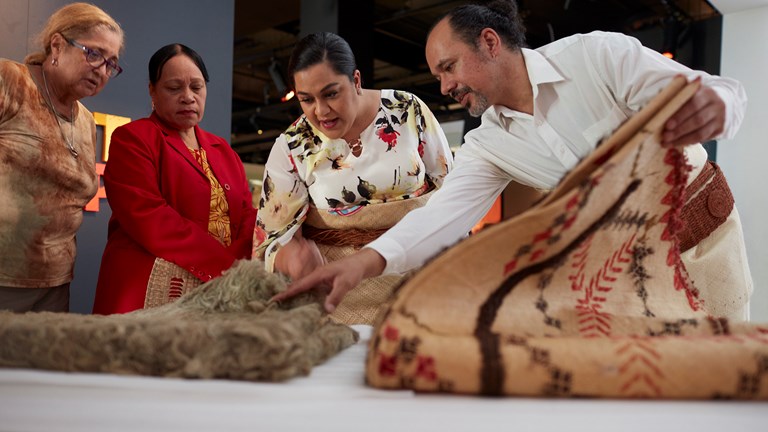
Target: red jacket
x=160, y=200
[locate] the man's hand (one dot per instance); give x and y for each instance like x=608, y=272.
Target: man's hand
x=339, y=276
x=700, y=119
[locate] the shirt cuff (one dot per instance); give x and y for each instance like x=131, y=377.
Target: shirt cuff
x=392, y=252
x=733, y=114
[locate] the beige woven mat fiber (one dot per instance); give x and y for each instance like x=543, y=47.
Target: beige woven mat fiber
x=584, y=295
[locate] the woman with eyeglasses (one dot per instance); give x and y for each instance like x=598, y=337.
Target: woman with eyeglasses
x=182, y=210
x=47, y=153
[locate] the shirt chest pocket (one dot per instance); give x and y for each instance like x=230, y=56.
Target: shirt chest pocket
x=604, y=127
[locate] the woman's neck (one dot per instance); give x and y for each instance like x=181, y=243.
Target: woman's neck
x=369, y=107
x=189, y=138
x=47, y=83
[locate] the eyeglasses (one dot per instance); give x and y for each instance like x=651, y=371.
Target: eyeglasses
x=96, y=59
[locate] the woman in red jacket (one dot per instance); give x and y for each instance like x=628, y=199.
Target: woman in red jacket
x=182, y=210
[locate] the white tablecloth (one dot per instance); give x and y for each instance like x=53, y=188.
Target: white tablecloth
x=332, y=398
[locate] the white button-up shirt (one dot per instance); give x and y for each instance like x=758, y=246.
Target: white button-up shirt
x=584, y=87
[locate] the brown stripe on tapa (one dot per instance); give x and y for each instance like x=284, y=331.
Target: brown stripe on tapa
x=719, y=325
x=492, y=370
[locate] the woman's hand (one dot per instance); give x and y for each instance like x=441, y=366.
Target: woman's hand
x=298, y=257
x=339, y=276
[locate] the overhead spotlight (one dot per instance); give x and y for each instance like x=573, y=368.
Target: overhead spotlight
x=265, y=91
x=278, y=78
x=671, y=30
x=254, y=124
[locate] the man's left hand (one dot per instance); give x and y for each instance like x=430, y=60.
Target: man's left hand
x=700, y=119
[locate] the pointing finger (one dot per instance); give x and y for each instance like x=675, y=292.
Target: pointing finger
x=299, y=286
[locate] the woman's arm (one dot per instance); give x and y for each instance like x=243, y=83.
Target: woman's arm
x=283, y=206
x=436, y=154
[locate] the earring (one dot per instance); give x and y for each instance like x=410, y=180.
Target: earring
x=153, y=105
x=54, y=62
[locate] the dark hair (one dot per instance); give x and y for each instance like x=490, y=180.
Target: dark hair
x=161, y=57
x=500, y=15
x=316, y=48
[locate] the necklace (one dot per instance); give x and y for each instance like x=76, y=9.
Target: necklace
x=356, y=146
x=70, y=142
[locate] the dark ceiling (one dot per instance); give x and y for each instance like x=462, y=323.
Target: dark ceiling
x=264, y=34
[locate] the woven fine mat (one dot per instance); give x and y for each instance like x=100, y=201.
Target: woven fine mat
x=223, y=329
x=584, y=295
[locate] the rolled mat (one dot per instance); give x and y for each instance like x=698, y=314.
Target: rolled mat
x=584, y=295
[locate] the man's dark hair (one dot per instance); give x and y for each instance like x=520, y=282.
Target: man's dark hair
x=500, y=15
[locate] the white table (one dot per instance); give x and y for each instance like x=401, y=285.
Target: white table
x=332, y=398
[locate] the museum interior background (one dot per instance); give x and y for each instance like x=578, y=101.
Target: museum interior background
x=246, y=45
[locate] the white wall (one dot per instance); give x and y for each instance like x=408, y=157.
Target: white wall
x=454, y=133
x=745, y=158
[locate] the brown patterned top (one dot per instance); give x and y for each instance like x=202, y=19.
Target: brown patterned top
x=43, y=188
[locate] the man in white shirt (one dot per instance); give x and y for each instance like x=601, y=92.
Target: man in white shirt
x=542, y=111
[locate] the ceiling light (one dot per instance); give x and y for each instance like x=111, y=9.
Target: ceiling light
x=278, y=78
x=671, y=29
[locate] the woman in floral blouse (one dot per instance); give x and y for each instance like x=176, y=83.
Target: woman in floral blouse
x=345, y=171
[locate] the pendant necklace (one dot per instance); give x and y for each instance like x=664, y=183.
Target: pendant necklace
x=356, y=146
x=70, y=142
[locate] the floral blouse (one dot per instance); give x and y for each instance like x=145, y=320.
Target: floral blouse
x=397, y=156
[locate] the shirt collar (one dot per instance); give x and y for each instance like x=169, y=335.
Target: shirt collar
x=540, y=71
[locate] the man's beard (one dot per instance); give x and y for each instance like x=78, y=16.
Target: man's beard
x=476, y=108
